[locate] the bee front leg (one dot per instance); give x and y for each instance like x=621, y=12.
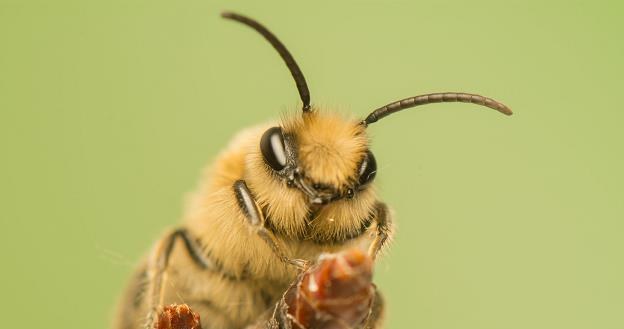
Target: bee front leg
x=384, y=229
x=256, y=220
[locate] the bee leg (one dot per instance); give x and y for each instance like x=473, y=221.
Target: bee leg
x=384, y=229
x=158, y=264
x=256, y=220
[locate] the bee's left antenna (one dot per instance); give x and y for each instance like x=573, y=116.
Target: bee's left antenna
x=300, y=81
x=434, y=98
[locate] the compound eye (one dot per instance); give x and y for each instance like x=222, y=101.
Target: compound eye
x=273, y=149
x=368, y=169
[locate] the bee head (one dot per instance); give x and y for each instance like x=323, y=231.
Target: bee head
x=324, y=155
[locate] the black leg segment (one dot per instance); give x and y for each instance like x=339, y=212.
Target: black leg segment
x=255, y=218
x=384, y=228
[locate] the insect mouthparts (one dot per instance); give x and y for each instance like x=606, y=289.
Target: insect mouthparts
x=317, y=200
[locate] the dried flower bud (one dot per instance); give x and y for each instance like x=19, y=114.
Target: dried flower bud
x=177, y=317
x=335, y=293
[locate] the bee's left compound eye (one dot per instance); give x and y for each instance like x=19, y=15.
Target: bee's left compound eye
x=273, y=149
x=368, y=169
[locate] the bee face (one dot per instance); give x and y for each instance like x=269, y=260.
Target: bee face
x=323, y=155
x=312, y=175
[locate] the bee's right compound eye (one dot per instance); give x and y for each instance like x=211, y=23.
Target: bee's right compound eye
x=273, y=148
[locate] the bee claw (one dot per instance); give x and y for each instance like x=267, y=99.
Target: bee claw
x=301, y=264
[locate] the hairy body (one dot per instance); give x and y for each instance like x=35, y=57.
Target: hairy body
x=246, y=277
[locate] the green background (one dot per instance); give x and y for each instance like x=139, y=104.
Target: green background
x=109, y=109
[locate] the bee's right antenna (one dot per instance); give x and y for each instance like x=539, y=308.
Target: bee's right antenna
x=300, y=81
x=434, y=98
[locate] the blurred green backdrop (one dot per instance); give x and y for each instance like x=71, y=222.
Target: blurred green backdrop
x=109, y=109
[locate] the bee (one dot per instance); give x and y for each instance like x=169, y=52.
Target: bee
x=274, y=200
